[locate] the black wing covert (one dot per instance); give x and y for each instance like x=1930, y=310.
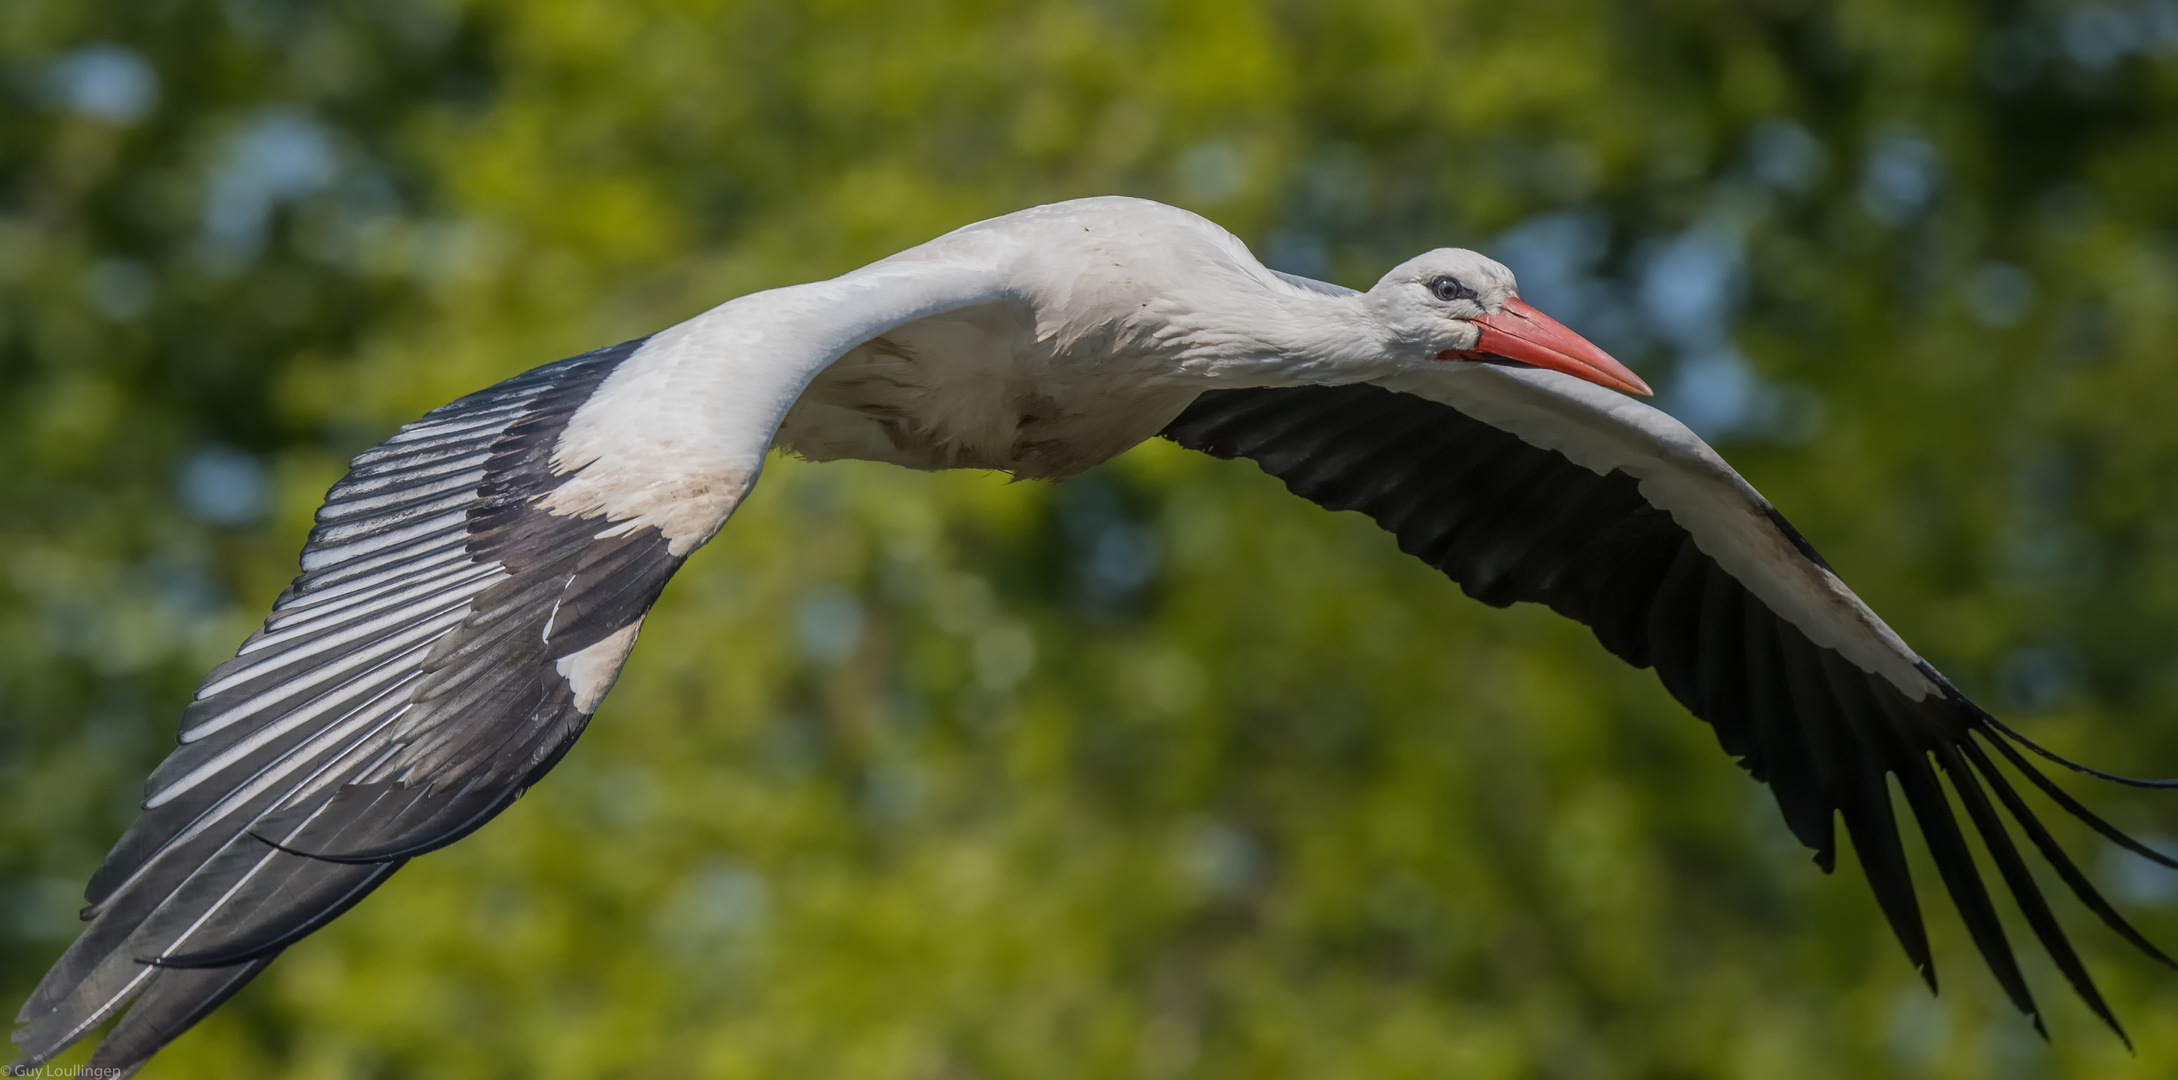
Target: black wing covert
x=445, y=644
x=1510, y=522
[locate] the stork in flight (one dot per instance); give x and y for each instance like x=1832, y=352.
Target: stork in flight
x=475, y=582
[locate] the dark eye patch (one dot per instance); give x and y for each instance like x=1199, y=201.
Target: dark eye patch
x=1449, y=288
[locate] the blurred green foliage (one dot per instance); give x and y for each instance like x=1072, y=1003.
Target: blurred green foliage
x=1162, y=772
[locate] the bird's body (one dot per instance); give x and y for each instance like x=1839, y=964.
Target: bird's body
x=1081, y=331
x=476, y=582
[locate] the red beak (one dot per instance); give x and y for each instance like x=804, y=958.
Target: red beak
x=1523, y=335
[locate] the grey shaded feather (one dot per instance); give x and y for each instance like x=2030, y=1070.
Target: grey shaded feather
x=402, y=692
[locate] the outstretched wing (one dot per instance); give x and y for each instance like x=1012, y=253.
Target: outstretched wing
x=446, y=641
x=1528, y=485
x=467, y=598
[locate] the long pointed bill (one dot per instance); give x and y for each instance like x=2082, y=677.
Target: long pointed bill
x=1523, y=335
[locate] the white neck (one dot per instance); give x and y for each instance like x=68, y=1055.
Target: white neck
x=1260, y=337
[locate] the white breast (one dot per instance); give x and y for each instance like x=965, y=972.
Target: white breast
x=984, y=388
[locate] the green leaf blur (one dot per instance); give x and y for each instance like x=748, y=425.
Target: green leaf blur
x=1161, y=772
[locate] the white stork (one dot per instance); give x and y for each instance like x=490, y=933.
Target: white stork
x=475, y=582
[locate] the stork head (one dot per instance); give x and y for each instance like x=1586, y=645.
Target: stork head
x=1452, y=305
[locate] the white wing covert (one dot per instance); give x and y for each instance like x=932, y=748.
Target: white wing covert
x=405, y=688
x=470, y=592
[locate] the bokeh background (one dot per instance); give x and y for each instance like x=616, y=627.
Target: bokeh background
x=1161, y=772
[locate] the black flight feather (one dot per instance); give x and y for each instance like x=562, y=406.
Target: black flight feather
x=403, y=692
x=1510, y=521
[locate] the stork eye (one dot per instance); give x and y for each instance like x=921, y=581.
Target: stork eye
x=1448, y=289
